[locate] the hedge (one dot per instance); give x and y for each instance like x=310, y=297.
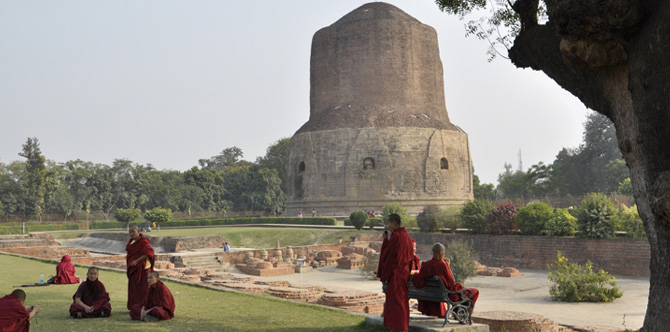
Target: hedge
x=251, y=220
x=37, y=228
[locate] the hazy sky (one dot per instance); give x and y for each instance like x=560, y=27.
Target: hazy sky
x=170, y=82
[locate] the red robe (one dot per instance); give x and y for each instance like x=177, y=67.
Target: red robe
x=65, y=272
x=416, y=263
x=13, y=315
x=394, y=264
x=94, y=294
x=159, y=297
x=137, y=275
x=435, y=267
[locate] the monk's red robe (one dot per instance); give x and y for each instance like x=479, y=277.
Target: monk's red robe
x=394, y=267
x=13, y=315
x=93, y=294
x=160, y=298
x=137, y=275
x=65, y=272
x=416, y=263
x=435, y=267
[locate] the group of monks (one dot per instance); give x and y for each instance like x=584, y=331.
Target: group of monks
x=399, y=265
x=149, y=299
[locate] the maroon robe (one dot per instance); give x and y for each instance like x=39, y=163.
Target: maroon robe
x=435, y=267
x=137, y=275
x=159, y=297
x=416, y=263
x=65, y=272
x=93, y=294
x=13, y=315
x=394, y=264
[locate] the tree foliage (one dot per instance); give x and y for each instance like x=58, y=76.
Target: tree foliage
x=532, y=219
x=427, y=220
x=595, y=216
x=358, y=219
x=158, y=215
x=474, y=215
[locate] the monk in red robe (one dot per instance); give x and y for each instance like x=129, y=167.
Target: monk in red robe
x=159, y=304
x=139, y=261
x=65, y=272
x=91, y=298
x=14, y=315
x=439, y=266
x=394, y=270
x=415, y=266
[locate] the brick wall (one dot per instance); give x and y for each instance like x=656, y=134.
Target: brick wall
x=617, y=256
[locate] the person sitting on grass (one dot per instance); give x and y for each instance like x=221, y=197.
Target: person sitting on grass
x=14, y=315
x=159, y=304
x=439, y=266
x=65, y=272
x=91, y=299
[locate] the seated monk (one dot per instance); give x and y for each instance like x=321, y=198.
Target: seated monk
x=438, y=266
x=65, y=272
x=159, y=304
x=14, y=315
x=91, y=298
x=415, y=265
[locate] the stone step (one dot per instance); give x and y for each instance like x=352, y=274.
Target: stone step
x=418, y=323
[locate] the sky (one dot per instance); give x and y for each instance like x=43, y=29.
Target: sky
x=167, y=83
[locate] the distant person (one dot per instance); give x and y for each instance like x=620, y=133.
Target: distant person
x=313, y=213
x=91, y=299
x=439, y=266
x=65, y=272
x=300, y=214
x=139, y=261
x=226, y=247
x=394, y=271
x=416, y=261
x=159, y=304
x=14, y=314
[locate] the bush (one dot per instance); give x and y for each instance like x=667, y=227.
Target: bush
x=252, y=220
x=625, y=187
x=405, y=218
x=579, y=283
x=501, y=220
x=158, y=215
x=561, y=223
x=629, y=221
x=474, y=215
x=462, y=260
x=426, y=219
x=532, y=219
x=358, y=219
x=127, y=215
x=450, y=218
x=594, y=217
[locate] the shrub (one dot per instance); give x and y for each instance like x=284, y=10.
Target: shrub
x=474, y=215
x=501, y=220
x=594, y=216
x=579, y=283
x=625, y=187
x=629, y=221
x=561, y=223
x=405, y=218
x=532, y=219
x=127, y=215
x=358, y=219
x=158, y=215
x=426, y=219
x=450, y=218
x=462, y=260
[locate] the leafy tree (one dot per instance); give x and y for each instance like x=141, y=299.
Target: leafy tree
x=35, y=177
x=426, y=219
x=625, y=187
x=450, y=217
x=251, y=187
x=228, y=157
x=629, y=221
x=158, y=215
x=127, y=215
x=532, y=219
x=482, y=191
x=594, y=216
x=211, y=188
x=276, y=157
x=405, y=218
x=358, y=219
x=474, y=215
x=615, y=172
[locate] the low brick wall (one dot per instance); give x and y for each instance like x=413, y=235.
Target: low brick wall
x=620, y=256
x=239, y=256
x=170, y=244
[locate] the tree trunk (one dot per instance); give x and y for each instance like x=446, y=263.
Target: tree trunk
x=634, y=94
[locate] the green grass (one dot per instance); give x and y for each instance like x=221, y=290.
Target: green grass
x=198, y=309
x=256, y=237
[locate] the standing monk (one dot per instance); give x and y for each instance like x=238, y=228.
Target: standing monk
x=159, y=304
x=14, y=315
x=91, y=298
x=415, y=266
x=65, y=272
x=439, y=266
x=139, y=261
x=394, y=270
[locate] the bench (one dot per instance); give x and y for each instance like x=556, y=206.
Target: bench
x=436, y=291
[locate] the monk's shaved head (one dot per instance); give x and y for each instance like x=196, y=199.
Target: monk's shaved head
x=134, y=227
x=20, y=294
x=154, y=273
x=438, y=249
x=92, y=268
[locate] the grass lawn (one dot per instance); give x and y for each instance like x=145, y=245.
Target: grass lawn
x=256, y=237
x=198, y=309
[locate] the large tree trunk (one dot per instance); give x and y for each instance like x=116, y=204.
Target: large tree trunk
x=634, y=92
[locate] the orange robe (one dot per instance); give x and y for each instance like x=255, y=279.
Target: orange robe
x=137, y=275
x=394, y=267
x=435, y=267
x=13, y=315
